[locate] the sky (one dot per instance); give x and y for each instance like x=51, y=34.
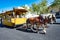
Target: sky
x=9, y=4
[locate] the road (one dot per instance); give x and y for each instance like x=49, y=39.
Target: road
x=53, y=33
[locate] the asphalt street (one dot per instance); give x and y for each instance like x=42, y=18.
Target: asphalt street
x=53, y=33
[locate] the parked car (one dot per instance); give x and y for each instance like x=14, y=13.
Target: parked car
x=57, y=14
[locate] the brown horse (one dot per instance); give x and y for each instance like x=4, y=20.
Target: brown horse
x=36, y=23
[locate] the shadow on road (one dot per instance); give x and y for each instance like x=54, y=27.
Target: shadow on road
x=4, y=26
x=25, y=30
x=1, y=26
x=28, y=30
x=19, y=29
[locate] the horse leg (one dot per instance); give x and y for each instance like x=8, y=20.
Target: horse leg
x=32, y=28
x=35, y=27
x=44, y=29
x=51, y=21
x=38, y=27
x=46, y=25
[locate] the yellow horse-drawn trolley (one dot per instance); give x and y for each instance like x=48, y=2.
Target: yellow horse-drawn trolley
x=17, y=17
x=14, y=17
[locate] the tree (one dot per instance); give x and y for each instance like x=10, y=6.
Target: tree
x=43, y=6
x=55, y=3
x=40, y=7
x=35, y=8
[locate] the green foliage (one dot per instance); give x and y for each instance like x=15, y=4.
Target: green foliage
x=34, y=7
x=43, y=6
x=55, y=3
x=40, y=7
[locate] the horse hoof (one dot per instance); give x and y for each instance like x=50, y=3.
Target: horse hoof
x=42, y=32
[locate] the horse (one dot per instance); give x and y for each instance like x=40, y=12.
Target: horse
x=36, y=23
x=51, y=19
